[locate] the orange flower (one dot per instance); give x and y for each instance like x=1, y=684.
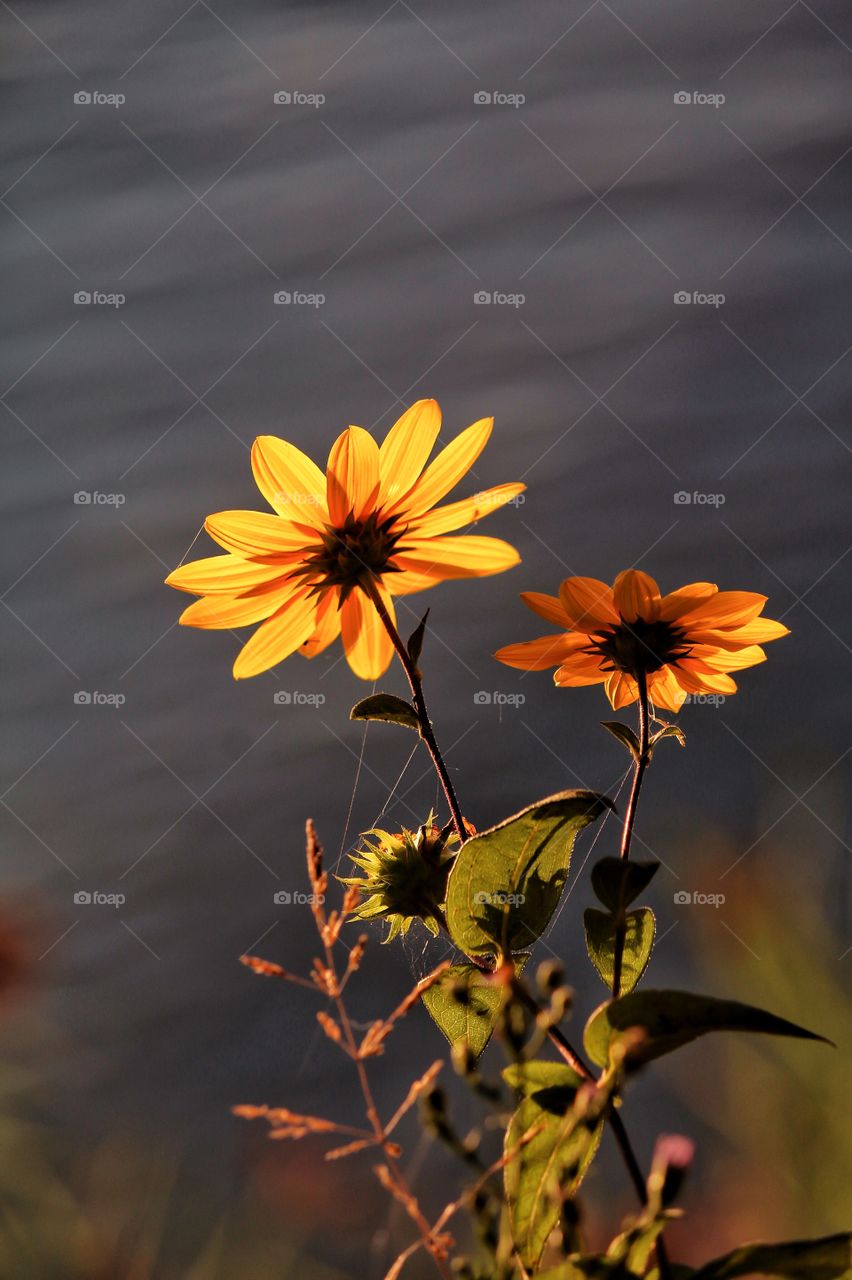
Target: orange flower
x=369, y=521
x=687, y=642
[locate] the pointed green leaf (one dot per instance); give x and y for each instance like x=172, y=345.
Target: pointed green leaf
x=506, y=882
x=386, y=706
x=617, y=882
x=638, y=942
x=415, y=640
x=829, y=1258
x=669, y=731
x=465, y=1004
x=548, y=1168
x=674, y=1018
x=625, y=735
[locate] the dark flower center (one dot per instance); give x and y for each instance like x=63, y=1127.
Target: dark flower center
x=352, y=552
x=640, y=647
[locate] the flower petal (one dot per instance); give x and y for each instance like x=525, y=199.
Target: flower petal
x=367, y=644
x=636, y=595
x=759, y=631
x=568, y=676
x=447, y=469
x=724, y=609
x=548, y=607
x=352, y=479
x=705, y=658
x=679, y=602
x=468, y=556
x=278, y=637
x=621, y=690
x=289, y=480
x=327, y=626
x=405, y=584
x=704, y=683
x=224, y=612
x=588, y=603
x=257, y=536
x=665, y=691
x=227, y=575
x=405, y=449
x=457, y=514
x=538, y=655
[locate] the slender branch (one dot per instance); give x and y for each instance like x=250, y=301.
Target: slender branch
x=640, y=765
x=416, y=684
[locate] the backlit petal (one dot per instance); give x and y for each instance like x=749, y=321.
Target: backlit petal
x=695, y=682
x=405, y=449
x=353, y=475
x=621, y=690
x=224, y=612
x=406, y=584
x=677, y=603
x=446, y=470
x=538, y=655
x=665, y=691
x=759, y=631
x=468, y=556
x=550, y=608
x=458, y=514
x=706, y=658
x=724, y=609
x=569, y=675
x=588, y=603
x=254, y=535
x=636, y=595
x=326, y=628
x=290, y=482
x=367, y=644
x=226, y=575
x=278, y=637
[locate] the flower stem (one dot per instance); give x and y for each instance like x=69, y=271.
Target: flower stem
x=419, y=701
x=640, y=765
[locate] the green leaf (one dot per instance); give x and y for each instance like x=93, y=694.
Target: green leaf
x=548, y=1168
x=472, y=1017
x=674, y=1018
x=668, y=731
x=829, y=1258
x=539, y=1075
x=506, y=882
x=625, y=735
x=617, y=882
x=639, y=939
x=386, y=706
x=415, y=640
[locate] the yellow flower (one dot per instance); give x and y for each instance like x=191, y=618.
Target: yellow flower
x=687, y=642
x=370, y=520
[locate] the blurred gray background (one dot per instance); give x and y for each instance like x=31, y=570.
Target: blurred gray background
x=582, y=165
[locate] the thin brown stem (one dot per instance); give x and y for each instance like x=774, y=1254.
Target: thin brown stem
x=419, y=701
x=640, y=765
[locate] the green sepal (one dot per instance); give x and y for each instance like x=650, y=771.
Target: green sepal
x=829, y=1258
x=624, y=734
